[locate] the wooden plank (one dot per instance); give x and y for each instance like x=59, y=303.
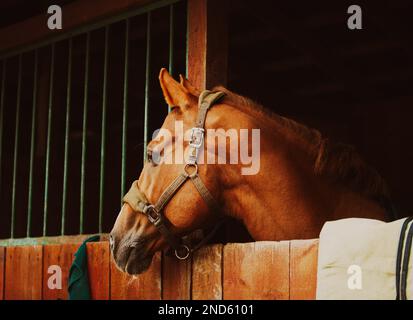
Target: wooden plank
x=176, y=278
x=61, y=255
x=144, y=286
x=258, y=270
x=75, y=15
x=98, y=256
x=303, y=269
x=207, y=273
x=207, y=43
x=2, y=260
x=196, y=42
x=23, y=273
x=49, y=240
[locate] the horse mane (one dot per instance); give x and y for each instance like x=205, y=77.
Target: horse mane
x=338, y=162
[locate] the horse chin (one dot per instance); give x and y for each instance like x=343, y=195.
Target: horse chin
x=138, y=264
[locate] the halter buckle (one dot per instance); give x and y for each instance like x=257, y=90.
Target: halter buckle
x=197, y=137
x=153, y=216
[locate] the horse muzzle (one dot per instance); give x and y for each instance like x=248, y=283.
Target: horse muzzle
x=131, y=257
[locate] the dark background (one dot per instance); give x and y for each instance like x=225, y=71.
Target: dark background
x=297, y=58
x=300, y=59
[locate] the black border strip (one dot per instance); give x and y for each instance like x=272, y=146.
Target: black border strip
x=399, y=255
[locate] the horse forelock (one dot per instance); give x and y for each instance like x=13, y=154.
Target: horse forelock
x=336, y=161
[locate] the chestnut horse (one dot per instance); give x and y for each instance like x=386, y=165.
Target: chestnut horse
x=303, y=181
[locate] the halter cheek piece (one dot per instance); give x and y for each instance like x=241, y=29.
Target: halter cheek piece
x=139, y=203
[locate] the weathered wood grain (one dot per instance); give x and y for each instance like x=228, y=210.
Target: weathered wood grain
x=144, y=286
x=176, y=278
x=23, y=276
x=49, y=240
x=207, y=273
x=61, y=255
x=258, y=270
x=98, y=256
x=303, y=269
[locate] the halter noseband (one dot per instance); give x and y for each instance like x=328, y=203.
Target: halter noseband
x=139, y=203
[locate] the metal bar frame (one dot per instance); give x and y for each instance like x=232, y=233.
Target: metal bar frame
x=93, y=26
x=48, y=141
x=84, y=135
x=103, y=129
x=16, y=146
x=32, y=142
x=106, y=24
x=3, y=90
x=147, y=87
x=67, y=131
x=125, y=109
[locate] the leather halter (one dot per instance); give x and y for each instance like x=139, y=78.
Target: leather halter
x=139, y=203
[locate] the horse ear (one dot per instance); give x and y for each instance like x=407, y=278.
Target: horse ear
x=188, y=86
x=174, y=93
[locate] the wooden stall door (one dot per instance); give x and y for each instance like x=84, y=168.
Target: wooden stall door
x=258, y=270
x=57, y=256
x=23, y=276
x=98, y=256
x=176, y=278
x=144, y=286
x=2, y=260
x=303, y=269
x=207, y=273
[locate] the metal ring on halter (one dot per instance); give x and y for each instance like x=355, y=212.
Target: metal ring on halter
x=193, y=174
x=186, y=255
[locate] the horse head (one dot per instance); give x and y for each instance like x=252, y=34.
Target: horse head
x=162, y=205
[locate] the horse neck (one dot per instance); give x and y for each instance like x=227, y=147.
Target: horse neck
x=286, y=199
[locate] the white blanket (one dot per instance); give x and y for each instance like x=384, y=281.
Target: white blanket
x=357, y=260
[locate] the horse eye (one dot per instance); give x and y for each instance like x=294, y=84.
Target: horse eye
x=149, y=155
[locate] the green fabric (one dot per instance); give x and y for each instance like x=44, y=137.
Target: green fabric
x=78, y=275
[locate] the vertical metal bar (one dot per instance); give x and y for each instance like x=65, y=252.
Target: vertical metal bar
x=147, y=85
x=103, y=129
x=48, y=142
x=125, y=109
x=16, y=148
x=32, y=142
x=171, y=42
x=3, y=92
x=84, y=134
x=67, y=130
